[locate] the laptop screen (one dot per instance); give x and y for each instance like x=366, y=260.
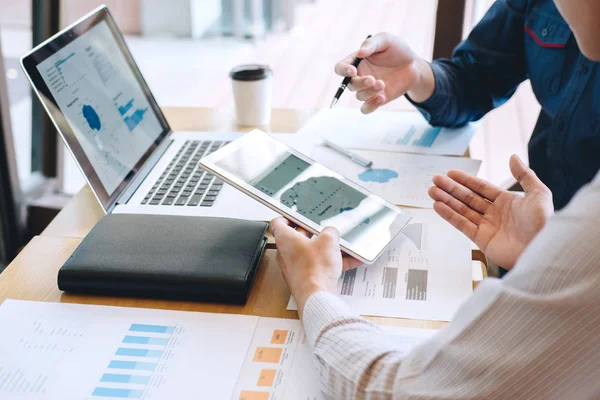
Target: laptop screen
x=99, y=101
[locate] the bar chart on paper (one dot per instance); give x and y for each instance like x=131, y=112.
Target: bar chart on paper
x=294, y=376
x=69, y=351
x=406, y=132
x=421, y=136
x=128, y=375
x=278, y=364
x=65, y=351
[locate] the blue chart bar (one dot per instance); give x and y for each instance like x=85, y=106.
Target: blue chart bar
x=123, y=109
x=138, y=352
x=134, y=119
x=151, y=328
x=122, y=378
x=406, y=138
x=139, y=366
x=146, y=340
x=428, y=137
x=64, y=60
x=118, y=393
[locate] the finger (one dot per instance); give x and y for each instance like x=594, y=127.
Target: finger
x=461, y=193
x=375, y=44
x=525, y=175
x=304, y=232
x=349, y=262
x=345, y=67
x=373, y=104
x=456, y=220
x=440, y=195
x=479, y=186
x=367, y=94
x=280, y=229
x=330, y=235
x=361, y=83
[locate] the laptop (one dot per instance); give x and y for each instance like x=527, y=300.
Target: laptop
x=92, y=89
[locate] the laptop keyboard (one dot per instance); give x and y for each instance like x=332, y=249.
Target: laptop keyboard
x=183, y=183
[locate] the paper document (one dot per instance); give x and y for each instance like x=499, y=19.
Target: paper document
x=303, y=143
x=388, y=131
x=426, y=273
x=280, y=366
x=401, y=179
x=69, y=351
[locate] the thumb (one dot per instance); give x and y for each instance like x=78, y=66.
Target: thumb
x=330, y=234
x=525, y=175
x=375, y=44
x=279, y=227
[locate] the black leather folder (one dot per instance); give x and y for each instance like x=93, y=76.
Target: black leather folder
x=171, y=257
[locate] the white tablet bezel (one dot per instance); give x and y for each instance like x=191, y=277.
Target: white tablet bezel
x=210, y=163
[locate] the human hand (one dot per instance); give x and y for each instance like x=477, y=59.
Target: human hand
x=500, y=222
x=389, y=69
x=309, y=265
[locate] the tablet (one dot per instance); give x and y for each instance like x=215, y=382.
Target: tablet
x=308, y=193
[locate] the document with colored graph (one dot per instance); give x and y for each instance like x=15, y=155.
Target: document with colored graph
x=401, y=179
x=279, y=364
x=70, y=351
x=406, y=132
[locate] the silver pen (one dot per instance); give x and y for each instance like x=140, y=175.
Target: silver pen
x=354, y=157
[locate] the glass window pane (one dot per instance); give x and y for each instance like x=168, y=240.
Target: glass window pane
x=15, y=33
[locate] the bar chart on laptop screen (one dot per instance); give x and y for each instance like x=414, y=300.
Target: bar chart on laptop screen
x=105, y=107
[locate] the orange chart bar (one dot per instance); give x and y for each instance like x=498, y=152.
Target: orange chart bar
x=267, y=377
x=248, y=395
x=267, y=354
x=279, y=337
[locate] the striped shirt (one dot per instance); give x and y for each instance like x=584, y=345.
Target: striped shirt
x=533, y=335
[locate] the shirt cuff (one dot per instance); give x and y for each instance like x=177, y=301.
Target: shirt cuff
x=438, y=99
x=321, y=310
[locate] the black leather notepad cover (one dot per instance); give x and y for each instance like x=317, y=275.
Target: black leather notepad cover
x=173, y=257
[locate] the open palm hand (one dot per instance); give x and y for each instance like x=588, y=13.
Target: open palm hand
x=500, y=222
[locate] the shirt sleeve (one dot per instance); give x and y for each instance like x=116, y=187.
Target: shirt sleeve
x=484, y=71
x=532, y=335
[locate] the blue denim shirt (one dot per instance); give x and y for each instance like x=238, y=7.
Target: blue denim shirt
x=515, y=41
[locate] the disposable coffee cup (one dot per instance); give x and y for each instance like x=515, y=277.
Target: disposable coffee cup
x=252, y=91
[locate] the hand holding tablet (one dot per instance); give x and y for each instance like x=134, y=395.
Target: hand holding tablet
x=308, y=193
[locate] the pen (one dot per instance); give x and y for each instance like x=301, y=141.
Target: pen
x=345, y=82
x=354, y=157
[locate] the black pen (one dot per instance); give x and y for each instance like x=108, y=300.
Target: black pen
x=345, y=82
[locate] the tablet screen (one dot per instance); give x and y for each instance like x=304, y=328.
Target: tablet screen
x=317, y=194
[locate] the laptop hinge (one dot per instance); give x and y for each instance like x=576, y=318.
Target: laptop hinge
x=141, y=175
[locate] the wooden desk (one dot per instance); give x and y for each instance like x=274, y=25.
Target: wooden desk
x=32, y=275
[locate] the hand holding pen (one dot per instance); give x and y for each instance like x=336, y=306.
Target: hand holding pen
x=391, y=70
x=347, y=79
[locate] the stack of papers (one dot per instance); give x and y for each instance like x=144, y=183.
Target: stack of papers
x=68, y=351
